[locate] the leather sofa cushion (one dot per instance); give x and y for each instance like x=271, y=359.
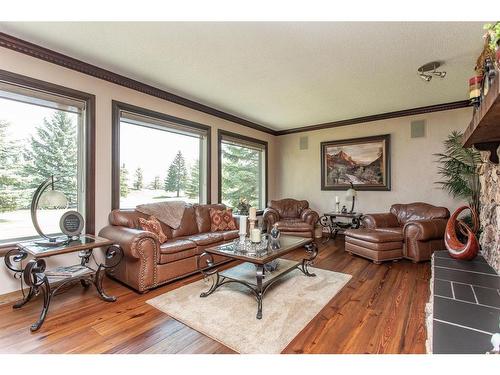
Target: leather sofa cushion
x=294, y=225
x=230, y=234
x=374, y=235
x=204, y=239
x=188, y=224
x=202, y=212
x=171, y=251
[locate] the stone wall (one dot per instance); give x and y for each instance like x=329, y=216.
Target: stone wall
x=489, y=177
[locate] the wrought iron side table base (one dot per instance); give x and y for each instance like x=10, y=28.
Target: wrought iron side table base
x=33, y=275
x=328, y=221
x=260, y=288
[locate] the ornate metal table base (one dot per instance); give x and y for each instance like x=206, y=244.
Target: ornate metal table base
x=210, y=273
x=33, y=275
x=328, y=221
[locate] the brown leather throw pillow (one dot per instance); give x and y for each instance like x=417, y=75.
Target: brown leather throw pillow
x=153, y=225
x=221, y=220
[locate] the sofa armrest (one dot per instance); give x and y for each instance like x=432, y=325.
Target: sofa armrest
x=311, y=217
x=270, y=217
x=425, y=230
x=139, y=266
x=385, y=220
x=131, y=240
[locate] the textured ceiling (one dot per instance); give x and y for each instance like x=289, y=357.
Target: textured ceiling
x=281, y=75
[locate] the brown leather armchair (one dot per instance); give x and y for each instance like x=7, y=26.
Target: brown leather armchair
x=293, y=217
x=411, y=231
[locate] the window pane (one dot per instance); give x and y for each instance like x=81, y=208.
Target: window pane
x=35, y=143
x=159, y=165
x=242, y=175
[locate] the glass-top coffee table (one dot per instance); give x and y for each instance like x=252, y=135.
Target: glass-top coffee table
x=252, y=273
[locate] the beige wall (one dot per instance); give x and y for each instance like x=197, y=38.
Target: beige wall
x=105, y=92
x=292, y=173
x=413, y=168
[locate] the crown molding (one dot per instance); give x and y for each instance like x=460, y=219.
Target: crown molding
x=45, y=54
x=42, y=53
x=380, y=116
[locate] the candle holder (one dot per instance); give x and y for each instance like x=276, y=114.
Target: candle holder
x=337, y=207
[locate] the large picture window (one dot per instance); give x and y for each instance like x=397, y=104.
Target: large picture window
x=43, y=133
x=242, y=170
x=158, y=157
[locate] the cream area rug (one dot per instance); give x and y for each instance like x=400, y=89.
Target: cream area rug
x=228, y=314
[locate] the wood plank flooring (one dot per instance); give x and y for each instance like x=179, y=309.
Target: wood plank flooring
x=381, y=310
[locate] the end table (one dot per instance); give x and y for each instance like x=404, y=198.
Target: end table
x=35, y=277
x=329, y=220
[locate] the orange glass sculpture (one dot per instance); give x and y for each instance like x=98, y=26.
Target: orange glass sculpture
x=456, y=248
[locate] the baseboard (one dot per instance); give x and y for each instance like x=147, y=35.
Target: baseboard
x=12, y=297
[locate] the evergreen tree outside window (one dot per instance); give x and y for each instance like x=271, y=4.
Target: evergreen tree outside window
x=40, y=135
x=242, y=171
x=166, y=159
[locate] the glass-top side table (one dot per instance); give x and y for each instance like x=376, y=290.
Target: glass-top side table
x=330, y=220
x=48, y=282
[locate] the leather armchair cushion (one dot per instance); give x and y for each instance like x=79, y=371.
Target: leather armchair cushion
x=289, y=208
x=385, y=220
x=294, y=225
x=418, y=211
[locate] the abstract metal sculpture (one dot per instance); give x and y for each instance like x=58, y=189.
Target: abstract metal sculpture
x=456, y=248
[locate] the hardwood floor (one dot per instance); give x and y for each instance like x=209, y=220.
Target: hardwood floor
x=381, y=310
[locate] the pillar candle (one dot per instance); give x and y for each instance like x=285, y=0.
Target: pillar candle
x=252, y=213
x=255, y=235
x=336, y=199
x=243, y=225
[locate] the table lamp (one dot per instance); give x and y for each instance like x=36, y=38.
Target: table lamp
x=52, y=199
x=351, y=194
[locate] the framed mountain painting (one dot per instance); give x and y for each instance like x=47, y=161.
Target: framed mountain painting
x=364, y=162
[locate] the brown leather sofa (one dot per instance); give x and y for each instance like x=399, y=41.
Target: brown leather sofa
x=293, y=217
x=411, y=231
x=147, y=263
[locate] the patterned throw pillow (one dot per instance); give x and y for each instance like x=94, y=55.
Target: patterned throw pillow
x=153, y=225
x=221, y=220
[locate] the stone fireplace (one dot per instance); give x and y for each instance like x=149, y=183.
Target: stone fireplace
x=489, y=177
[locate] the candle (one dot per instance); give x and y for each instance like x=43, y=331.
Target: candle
x=255, y=235
x=243, y=225
x=253, y=213
x=337, y=199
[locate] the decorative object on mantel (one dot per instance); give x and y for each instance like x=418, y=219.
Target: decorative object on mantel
x=51, y=199
x=456, y=248
x=493, y=31
x=483, y=131
x=475, y=90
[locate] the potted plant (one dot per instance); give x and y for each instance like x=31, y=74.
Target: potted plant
x=459, y=170
x=493, y=32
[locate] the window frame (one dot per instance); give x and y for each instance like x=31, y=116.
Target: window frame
x=118, y=106
x=89, y=142
x=220, y=136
